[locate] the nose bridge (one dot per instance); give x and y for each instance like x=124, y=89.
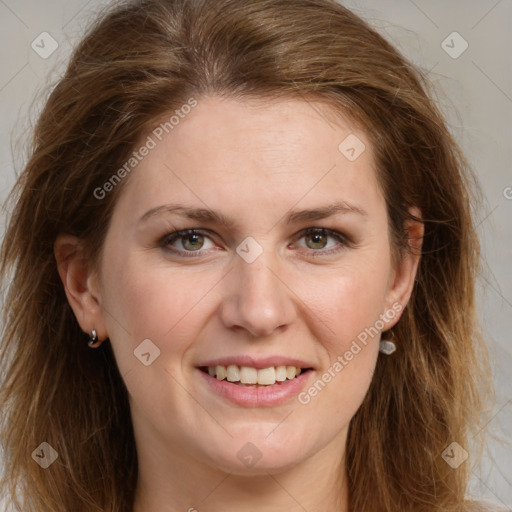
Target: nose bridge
x=258, y=300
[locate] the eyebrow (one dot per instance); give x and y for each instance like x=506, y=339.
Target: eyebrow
x=294, y=216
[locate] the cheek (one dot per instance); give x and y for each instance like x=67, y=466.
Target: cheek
x=147, y=300
x=351, y=306
x=346, y=383
x=349, y=302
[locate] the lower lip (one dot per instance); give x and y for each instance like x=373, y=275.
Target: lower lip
x=264, y=396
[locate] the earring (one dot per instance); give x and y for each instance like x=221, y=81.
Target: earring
x=93, y=340
x=387, y=347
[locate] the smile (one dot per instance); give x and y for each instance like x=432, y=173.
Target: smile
x=247, y=382
x=253, y=377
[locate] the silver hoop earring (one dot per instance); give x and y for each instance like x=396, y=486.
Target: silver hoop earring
x=387, y=347
x=93, y=340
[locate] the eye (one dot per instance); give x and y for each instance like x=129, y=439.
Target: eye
x=317, y=240
x=191, y=240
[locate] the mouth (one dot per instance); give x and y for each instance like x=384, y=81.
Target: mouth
x=250, y=377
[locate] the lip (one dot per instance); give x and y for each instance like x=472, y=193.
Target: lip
x=260, y=363
x=268, y=396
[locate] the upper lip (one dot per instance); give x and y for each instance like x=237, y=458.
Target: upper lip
x=258, y=363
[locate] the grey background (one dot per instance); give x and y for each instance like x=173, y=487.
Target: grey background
x=475, y=94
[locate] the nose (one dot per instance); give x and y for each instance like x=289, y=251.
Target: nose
x=257, y=300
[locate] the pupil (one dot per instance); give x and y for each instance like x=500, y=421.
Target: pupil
x=316, y=238
x=195, y=239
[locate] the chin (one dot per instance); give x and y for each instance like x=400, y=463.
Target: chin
x=259, y=455
x=258, y=467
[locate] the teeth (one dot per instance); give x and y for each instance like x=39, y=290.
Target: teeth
x=248, y=375
x=267, y=376
x=221, y=372
x=233, y=373
x=281, y=373
x=290, y=372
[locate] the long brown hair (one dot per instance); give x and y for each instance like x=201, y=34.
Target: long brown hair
x=143, y=59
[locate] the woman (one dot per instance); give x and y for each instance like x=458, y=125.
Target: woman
x=242, y=264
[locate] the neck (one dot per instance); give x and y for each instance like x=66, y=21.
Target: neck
x=173, y=481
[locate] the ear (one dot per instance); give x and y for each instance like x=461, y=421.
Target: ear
x=80, y=284
x=403, y=275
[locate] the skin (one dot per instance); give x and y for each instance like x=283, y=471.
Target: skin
x=254, y=162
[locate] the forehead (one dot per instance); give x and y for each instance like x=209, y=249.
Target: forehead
x=254, y=156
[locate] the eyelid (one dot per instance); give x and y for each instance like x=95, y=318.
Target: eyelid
x=343, y=239
x=176, y=235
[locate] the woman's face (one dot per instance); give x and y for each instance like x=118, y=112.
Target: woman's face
x=258, y=291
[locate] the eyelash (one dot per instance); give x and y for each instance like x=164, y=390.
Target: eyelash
x=176, y=235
